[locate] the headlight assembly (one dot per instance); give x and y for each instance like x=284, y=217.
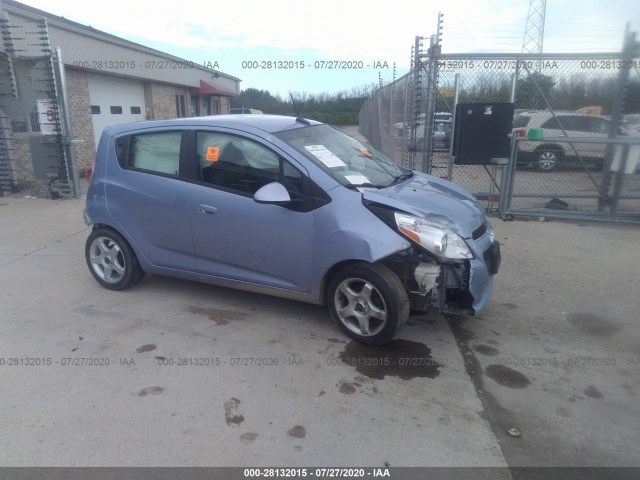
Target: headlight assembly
x=435, y=238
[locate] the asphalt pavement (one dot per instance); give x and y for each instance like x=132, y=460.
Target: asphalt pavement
x=176, y=373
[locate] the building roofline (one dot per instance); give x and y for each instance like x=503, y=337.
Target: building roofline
x=70, y=25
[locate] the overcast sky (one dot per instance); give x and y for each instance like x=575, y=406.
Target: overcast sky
x=233, y=33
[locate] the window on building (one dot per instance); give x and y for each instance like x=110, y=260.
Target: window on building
x=18, y=126
x=95, y=109
x=135, y=110
x=156, y=152
x=194, y=105
x=117, y=110
x=216, y=105
x=206, y=105
x=181, y=108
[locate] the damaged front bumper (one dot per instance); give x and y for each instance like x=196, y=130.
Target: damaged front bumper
x=462, y=286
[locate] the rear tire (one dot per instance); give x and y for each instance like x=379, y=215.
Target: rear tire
x=547, y=160
x=368, y=302
x=111, y=260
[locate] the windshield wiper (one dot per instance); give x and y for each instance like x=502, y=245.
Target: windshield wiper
x=354, y=186
x=402, y=177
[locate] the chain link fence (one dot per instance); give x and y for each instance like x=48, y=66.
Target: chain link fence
x=32, y=145
x=555, y=96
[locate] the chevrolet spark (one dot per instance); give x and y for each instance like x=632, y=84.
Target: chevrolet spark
x=288, y=207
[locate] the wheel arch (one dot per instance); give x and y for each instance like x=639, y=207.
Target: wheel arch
x=550, y=146
x=331, y=272
x=142, y=260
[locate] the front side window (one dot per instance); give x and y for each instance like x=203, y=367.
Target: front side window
x=576, y=124
x=156, y=152
x=349, y=161
x=598, y=125
x=242, y=165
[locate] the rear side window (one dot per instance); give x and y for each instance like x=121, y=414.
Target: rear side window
x=520, y=121
x=551, y=124
x=156, y=152
x=598, y=125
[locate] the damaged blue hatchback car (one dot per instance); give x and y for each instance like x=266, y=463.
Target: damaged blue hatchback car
x=288, y=207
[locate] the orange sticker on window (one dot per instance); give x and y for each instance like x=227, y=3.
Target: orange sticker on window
x=212, y=154
x=366, y=152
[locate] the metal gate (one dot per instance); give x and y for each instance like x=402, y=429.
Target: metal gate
x=32, y=133
x=581, y=96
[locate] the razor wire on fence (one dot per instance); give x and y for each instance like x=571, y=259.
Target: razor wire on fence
x=555, y=96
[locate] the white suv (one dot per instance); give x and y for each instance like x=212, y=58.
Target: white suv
x=546, y=156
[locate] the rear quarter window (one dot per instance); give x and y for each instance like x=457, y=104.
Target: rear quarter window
x=156, y=152
x=520, y=121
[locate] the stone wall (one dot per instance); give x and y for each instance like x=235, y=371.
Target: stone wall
x=81, y=121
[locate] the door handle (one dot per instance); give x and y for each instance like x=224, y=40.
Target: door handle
x=207, y=209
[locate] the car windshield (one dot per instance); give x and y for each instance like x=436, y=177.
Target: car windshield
x=349, y=161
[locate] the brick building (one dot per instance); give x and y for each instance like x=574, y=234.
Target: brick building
x=108, y=80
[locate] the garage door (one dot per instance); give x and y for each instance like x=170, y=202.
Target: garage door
x=114, y=100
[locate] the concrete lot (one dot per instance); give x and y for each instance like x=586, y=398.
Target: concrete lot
x=91, y=377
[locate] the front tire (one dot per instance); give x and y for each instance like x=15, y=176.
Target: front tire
x=111, y=260
x=368, y=302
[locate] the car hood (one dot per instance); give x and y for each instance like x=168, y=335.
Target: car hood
x=433, y=199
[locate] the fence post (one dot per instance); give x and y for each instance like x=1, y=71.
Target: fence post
x=630, y=49
x=432, y=88
x=67, y=125
x=456, y=94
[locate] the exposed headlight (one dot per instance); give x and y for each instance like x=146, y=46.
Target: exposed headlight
x=435, y=238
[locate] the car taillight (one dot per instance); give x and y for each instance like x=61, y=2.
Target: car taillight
x=88, y=174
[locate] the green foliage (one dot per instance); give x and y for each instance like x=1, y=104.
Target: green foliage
x=341, y=108
x=530, y=89
x=563, y=93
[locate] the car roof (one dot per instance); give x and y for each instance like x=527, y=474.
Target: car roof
x=267, y=123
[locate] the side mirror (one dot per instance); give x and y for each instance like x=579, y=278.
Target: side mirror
x=273, y=193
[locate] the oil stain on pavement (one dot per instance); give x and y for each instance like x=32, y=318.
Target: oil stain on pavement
x=592, y=324
x=398, y=358
x=298, y=431
x=507, y=377
x=231, y=415
x=217, y=315
x=150, y=391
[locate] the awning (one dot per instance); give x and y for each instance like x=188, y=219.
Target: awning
x=208, y=89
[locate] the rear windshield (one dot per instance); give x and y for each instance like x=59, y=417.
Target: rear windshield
x=349, y=161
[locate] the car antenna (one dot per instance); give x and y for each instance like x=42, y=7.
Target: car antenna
x=298, y=117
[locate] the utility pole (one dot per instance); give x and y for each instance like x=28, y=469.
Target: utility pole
x=534, y=37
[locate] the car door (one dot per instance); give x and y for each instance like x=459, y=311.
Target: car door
x=598, y=127
x=148, y=198
x=236, y=237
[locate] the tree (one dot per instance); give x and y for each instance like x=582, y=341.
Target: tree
x=529, y=95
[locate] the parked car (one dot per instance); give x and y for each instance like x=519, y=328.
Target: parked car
x=245, y=111
x=442, y=129
x=631, y=125
x=288, y=207
x=442, y=134
x=547, y=156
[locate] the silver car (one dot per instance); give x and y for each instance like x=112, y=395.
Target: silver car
x=287, y=207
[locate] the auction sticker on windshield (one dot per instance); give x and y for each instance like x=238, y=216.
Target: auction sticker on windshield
x=357, y=179
x=323, y=154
